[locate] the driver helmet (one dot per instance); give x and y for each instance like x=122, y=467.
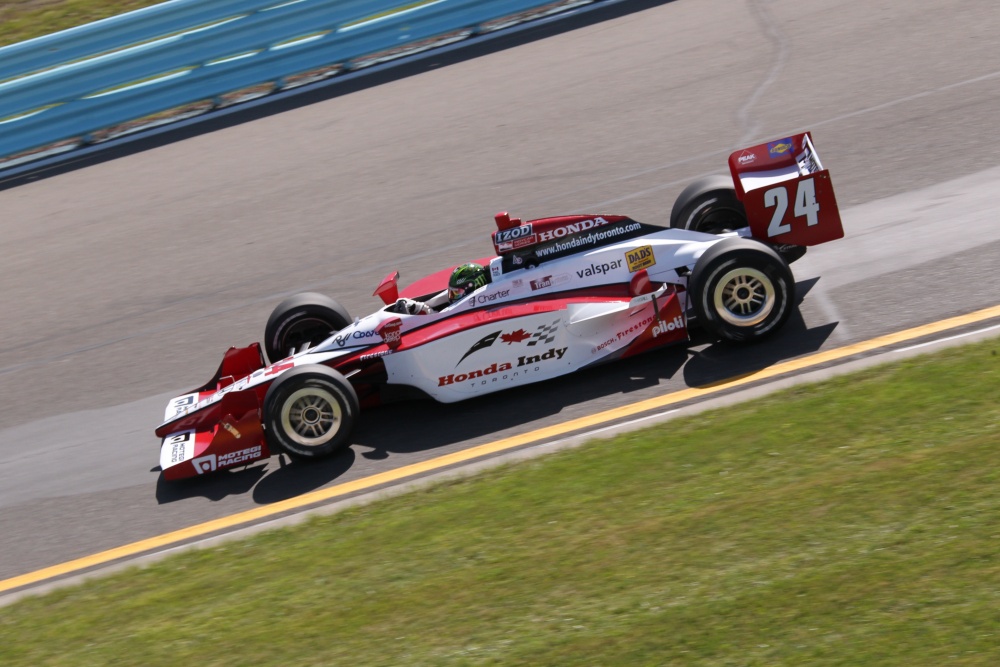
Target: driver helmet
x=465, y=279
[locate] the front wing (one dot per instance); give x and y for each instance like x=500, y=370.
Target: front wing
x=232, y=442
x=225, y=434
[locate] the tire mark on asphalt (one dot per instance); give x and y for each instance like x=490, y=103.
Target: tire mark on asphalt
x=756, y=139
x=769, y=27
x=908, y=98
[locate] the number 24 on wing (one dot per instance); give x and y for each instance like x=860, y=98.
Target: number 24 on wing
x=800, y=211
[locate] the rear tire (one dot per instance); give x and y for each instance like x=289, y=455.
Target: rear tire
x=741, y=290
x=310, y=412
x=709, y=205
x=302, y=320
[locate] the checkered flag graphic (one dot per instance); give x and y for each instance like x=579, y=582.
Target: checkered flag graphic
x=545, y=334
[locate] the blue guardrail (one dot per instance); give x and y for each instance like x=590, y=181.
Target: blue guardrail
x=182, y=58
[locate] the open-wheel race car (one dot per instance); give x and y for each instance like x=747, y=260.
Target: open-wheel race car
x=559, y=295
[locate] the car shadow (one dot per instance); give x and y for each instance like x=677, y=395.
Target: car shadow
x=424, y=425
x=215, y=487
x=418, y=426
x=719, y=362
x=270, y=480
x=421, y=425
x=293, y=478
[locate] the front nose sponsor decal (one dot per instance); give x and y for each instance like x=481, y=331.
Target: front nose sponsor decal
x=212, y=462
x=204, y=464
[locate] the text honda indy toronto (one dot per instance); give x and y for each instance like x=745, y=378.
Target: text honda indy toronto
x=561, y=294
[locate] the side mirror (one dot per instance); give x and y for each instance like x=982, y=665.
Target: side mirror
x=388, y=289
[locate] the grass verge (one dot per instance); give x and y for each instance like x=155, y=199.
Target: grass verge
x=853, y=522
x=26, y=19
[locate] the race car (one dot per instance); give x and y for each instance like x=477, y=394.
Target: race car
x=560, y=294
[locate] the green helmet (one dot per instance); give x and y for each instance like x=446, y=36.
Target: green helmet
x=465, y=279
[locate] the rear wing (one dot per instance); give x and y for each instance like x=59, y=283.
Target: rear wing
x=786, y=192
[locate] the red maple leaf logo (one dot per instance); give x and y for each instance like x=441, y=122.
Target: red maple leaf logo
x=515, y=336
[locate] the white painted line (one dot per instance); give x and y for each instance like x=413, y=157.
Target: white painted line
x=141, y=84
x=27, y=114
x=211, y=26
x=361, y=24
x=280, y=5
x=132, y=50
x=229, y=59
x=942, y=340
x=299, y=41
x=114, y=55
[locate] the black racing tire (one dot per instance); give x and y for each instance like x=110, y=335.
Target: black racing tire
x=303, y=319
x=709, y=205
x=310, y=412
x=741, y=290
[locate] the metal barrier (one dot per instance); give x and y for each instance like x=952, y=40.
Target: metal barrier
x=187, y=57
x=135, y=27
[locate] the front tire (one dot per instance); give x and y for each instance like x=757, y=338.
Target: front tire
x=310, y=412
x=742, y=290
x=302, y=320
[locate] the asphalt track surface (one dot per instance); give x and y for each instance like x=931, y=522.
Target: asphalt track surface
x=124, y=282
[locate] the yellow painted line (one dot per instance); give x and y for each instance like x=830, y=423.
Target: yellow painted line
x=465, y=455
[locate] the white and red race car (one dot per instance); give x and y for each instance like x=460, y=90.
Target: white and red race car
x=564, y=293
